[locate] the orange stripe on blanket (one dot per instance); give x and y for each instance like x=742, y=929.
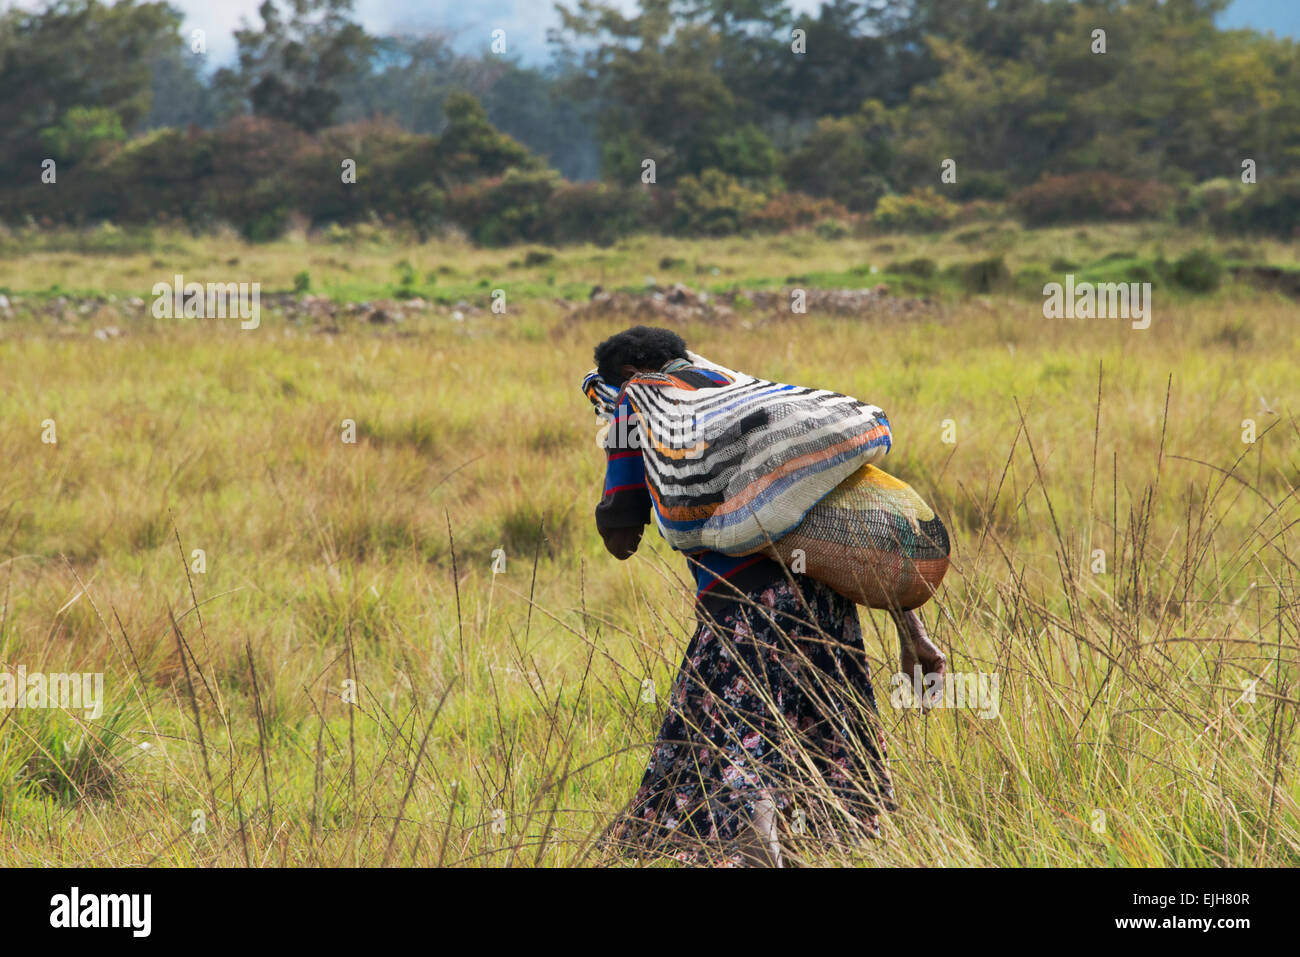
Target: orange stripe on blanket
x=690, y=513
x=657, y=381
x=694, y=452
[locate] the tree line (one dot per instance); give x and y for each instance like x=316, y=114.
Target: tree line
x=688, y=116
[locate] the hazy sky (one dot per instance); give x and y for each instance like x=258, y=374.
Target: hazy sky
x=525, y=21
x=471, y=21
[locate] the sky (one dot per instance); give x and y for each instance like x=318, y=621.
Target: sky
x=526, y=21
x=471, y=22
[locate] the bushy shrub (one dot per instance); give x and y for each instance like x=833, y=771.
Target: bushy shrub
x=921, y=210
x=787, y=211
x=1207, y=201
x=1198, y=271
x=260, y=175
x=981, y=185
x=162, y=173
x=921, y=268
x=1157, y=273
x=392, y=165
x=504, y=209
x=250, y=184
x=1270, y=207
x=832, y=229
x=425, y=209
x=1080, y=197
x=714, y=204
x=984, y=275
x=593, y=212
x=982, y=210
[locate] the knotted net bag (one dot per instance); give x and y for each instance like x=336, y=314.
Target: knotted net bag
x=873, y=540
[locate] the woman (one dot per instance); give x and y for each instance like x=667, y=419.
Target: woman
x=772, y=716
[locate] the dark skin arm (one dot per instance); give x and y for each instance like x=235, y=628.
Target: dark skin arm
x=622, y=542
x=915, y=647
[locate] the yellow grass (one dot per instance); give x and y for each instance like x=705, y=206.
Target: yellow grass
x=1161, y=693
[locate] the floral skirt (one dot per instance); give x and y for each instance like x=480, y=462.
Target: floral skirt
x=773, y=704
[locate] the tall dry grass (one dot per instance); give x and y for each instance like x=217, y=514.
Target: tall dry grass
x=498, y=718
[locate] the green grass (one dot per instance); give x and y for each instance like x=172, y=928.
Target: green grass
x=129, y=262
x=328, y=562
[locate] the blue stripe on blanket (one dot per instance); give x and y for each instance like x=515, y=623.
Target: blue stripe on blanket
x=749, y=398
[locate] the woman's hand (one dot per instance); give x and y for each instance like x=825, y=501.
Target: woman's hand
x=916, y=648
x=622, y=542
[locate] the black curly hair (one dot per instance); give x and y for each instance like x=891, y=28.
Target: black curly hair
x=643, y=347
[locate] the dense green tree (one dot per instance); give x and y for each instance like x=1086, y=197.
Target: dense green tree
x=655, y=79
x=471, y=148
x=74, y=54
x=83, y=131
x=849, y=158
x=291, y=69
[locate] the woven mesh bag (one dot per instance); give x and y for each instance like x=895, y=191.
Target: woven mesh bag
x=873, y=540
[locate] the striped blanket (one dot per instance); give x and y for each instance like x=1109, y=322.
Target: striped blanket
x=734, y=467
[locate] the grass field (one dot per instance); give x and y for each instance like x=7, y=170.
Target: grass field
x=498, y=718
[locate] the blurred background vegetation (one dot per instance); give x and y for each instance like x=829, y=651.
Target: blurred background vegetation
x=746, y=134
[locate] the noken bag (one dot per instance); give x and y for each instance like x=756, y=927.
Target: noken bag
x=873, y=540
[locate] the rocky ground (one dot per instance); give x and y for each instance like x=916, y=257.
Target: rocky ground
x=112, y=316
x=678, y=303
